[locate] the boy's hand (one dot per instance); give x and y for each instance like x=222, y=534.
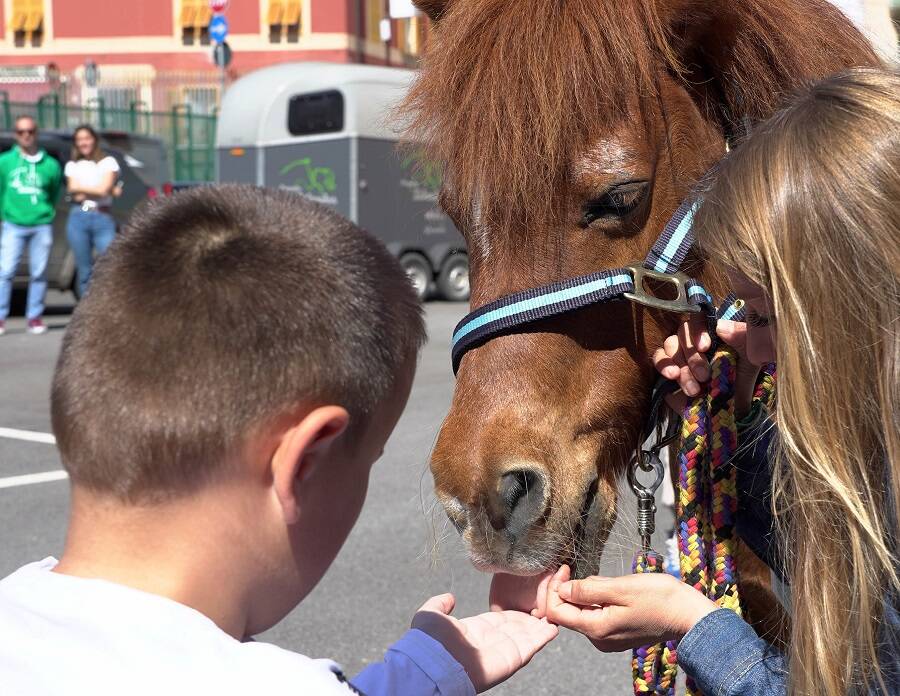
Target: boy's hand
x=491, y=647
x=627, y=612
x=682, y=359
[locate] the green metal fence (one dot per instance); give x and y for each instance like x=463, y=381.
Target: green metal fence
x=188, y=137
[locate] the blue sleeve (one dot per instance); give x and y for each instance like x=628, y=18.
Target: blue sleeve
x=726, y=658
x=416, y=665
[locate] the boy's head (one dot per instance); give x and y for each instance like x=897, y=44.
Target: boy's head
x=238, y=334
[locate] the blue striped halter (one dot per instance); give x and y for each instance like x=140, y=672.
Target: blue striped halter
x=508, y=314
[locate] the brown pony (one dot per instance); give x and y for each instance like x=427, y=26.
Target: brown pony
x=569, y=131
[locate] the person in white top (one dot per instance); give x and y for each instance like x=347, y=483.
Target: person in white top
x=91, y=183
x=219, y=444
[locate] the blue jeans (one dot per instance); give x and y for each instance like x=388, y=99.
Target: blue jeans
x=13, y=239
x=88, y=232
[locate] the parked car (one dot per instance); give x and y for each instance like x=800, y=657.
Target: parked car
x=145, y=154
x=61, y=266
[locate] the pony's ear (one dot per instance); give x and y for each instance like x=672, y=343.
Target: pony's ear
x=433, y=8
x=741, y=58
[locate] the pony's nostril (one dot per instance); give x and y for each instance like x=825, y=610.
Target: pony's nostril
x=521, y=495
x=515, y=485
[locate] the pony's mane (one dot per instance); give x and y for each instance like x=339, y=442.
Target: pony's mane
x=512, y=90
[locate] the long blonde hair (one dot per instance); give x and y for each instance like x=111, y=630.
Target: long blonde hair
x=809, y=209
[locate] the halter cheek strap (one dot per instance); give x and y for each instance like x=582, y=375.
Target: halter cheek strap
x=508, y=314
x=676, y=240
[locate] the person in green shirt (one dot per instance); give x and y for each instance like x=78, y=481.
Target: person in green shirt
x=30, y=181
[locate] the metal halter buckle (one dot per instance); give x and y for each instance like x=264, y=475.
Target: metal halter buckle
x=641, y=296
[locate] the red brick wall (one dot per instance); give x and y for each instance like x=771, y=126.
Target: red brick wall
x=95, y=18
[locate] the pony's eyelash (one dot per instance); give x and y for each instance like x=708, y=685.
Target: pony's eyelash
x=615, y=203
x=756, y=320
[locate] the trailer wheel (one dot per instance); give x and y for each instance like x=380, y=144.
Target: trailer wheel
x=453, y=281
x=419, y=271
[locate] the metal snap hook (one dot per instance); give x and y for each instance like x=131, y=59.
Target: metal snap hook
x=647, y=461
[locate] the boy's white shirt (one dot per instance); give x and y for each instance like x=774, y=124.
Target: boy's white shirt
x=65, y=635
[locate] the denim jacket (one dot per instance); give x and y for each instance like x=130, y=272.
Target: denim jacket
x=722, y=652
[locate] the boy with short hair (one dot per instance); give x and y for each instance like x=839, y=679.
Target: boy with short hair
x=219, y=442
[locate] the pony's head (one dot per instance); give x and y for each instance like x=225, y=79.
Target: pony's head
x=569, y=131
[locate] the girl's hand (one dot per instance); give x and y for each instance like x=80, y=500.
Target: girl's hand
x=627, y=612
x=682, y=359
x=490, y=647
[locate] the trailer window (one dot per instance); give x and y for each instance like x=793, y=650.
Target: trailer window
x=318, y=112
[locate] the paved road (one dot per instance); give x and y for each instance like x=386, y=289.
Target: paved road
x=401, y=552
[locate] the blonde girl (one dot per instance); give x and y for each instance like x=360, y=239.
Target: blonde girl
x=805, y=215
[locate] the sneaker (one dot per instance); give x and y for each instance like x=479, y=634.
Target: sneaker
x=36, y=326
x=2, y=327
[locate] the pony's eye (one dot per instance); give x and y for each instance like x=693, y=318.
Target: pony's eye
x=615, y=203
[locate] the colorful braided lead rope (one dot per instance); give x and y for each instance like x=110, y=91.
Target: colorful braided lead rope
x=653, y=667
x=706, y=508
x=707, y=501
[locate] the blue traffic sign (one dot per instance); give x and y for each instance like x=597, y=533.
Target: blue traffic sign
x=218, y=28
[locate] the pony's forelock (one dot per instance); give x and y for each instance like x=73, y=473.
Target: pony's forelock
x=512, y=91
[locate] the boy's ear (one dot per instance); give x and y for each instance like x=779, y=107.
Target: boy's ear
x=300, y=451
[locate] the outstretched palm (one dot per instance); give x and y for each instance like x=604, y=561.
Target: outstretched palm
x=491, y=647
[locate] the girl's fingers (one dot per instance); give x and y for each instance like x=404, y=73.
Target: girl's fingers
x=699, y=332
x=665, y=365
x=576, y=618
x=690, y=336
x=672, y=346
x=591, y=591
x=734, y=333
x=689, y=384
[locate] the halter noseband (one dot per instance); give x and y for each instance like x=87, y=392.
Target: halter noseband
x=509, y=314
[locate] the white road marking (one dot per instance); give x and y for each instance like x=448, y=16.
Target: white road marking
x=27, y=436
x=28, y=479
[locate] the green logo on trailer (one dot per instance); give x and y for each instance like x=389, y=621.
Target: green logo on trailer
x=312, y=180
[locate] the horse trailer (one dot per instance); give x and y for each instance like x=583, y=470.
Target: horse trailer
x=324, y=131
